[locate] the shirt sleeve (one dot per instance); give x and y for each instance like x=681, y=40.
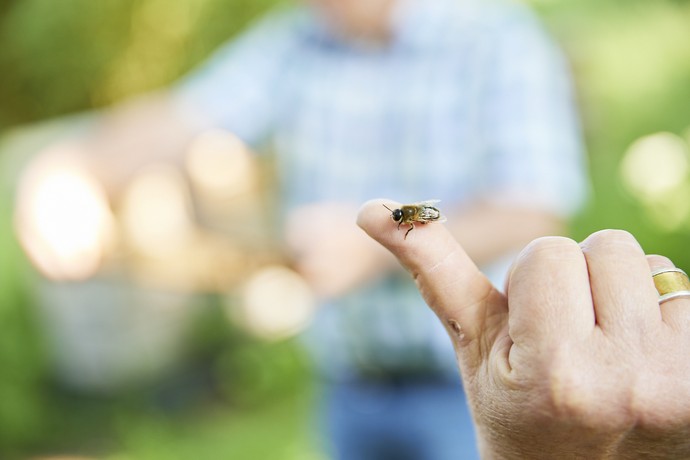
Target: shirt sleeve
x=237, y=88
x=530, y=122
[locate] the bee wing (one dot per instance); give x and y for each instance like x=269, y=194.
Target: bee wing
x=430, y=213
x=427, y=203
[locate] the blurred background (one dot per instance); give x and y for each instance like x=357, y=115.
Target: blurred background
x=197, y=365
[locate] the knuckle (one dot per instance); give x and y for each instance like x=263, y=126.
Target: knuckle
x=549, y=248
x=568, y=395
x=611, y=237
x=550, y=242
x=658, y=261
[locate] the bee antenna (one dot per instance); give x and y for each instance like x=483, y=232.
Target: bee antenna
x=387, y=207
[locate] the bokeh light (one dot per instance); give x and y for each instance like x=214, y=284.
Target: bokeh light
x=655, y=170
x=275, y=303
x=156, y=212
x=655, y=165
x=220, y=166
x=63, y=219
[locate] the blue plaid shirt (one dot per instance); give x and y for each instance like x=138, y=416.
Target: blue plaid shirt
x=469, y=100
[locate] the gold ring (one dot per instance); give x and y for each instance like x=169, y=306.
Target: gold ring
x=671, y=283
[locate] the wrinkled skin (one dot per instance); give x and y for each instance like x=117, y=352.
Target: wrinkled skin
x=576, y=360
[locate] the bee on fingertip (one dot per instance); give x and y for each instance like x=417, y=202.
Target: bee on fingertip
x=421, y=213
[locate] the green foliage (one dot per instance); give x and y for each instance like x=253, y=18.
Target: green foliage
x=69, y=55
x=22, y=363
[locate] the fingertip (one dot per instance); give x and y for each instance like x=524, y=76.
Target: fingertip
x=375, y=219
x=420, y=246
x=429, y=251
x=369, y=216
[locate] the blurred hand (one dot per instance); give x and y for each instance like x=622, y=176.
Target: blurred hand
x=125, y=138
x=331, y=252
x=577, y=360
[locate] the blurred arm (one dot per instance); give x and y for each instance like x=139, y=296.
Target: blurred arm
x=142, y=131
x=489, y=231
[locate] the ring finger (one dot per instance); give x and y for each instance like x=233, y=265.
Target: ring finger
x=676, y=310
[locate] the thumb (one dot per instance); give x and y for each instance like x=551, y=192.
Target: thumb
x=465, y=301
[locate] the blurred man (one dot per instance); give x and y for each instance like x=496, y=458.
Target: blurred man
x=463, y=101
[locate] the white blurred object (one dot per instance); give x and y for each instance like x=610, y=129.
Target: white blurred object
x=275, y=303
x=62, y=216
x=220, y=166
x=156, y=211
x=655, y=165
x=655, y=170
x=105, y=333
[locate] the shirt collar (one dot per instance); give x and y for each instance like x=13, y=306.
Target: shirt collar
x=414, y=24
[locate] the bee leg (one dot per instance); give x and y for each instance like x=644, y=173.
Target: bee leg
x=408, y=231
x=399, y=224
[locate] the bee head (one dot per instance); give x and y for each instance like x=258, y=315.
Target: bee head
x=396, y=214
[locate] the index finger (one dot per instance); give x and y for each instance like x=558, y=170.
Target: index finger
x=451, y=284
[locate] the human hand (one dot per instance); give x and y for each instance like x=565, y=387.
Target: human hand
x=330, y=252
x=114, y=144
x=576, y=360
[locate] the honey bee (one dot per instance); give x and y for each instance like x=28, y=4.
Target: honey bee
x=421, y=212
